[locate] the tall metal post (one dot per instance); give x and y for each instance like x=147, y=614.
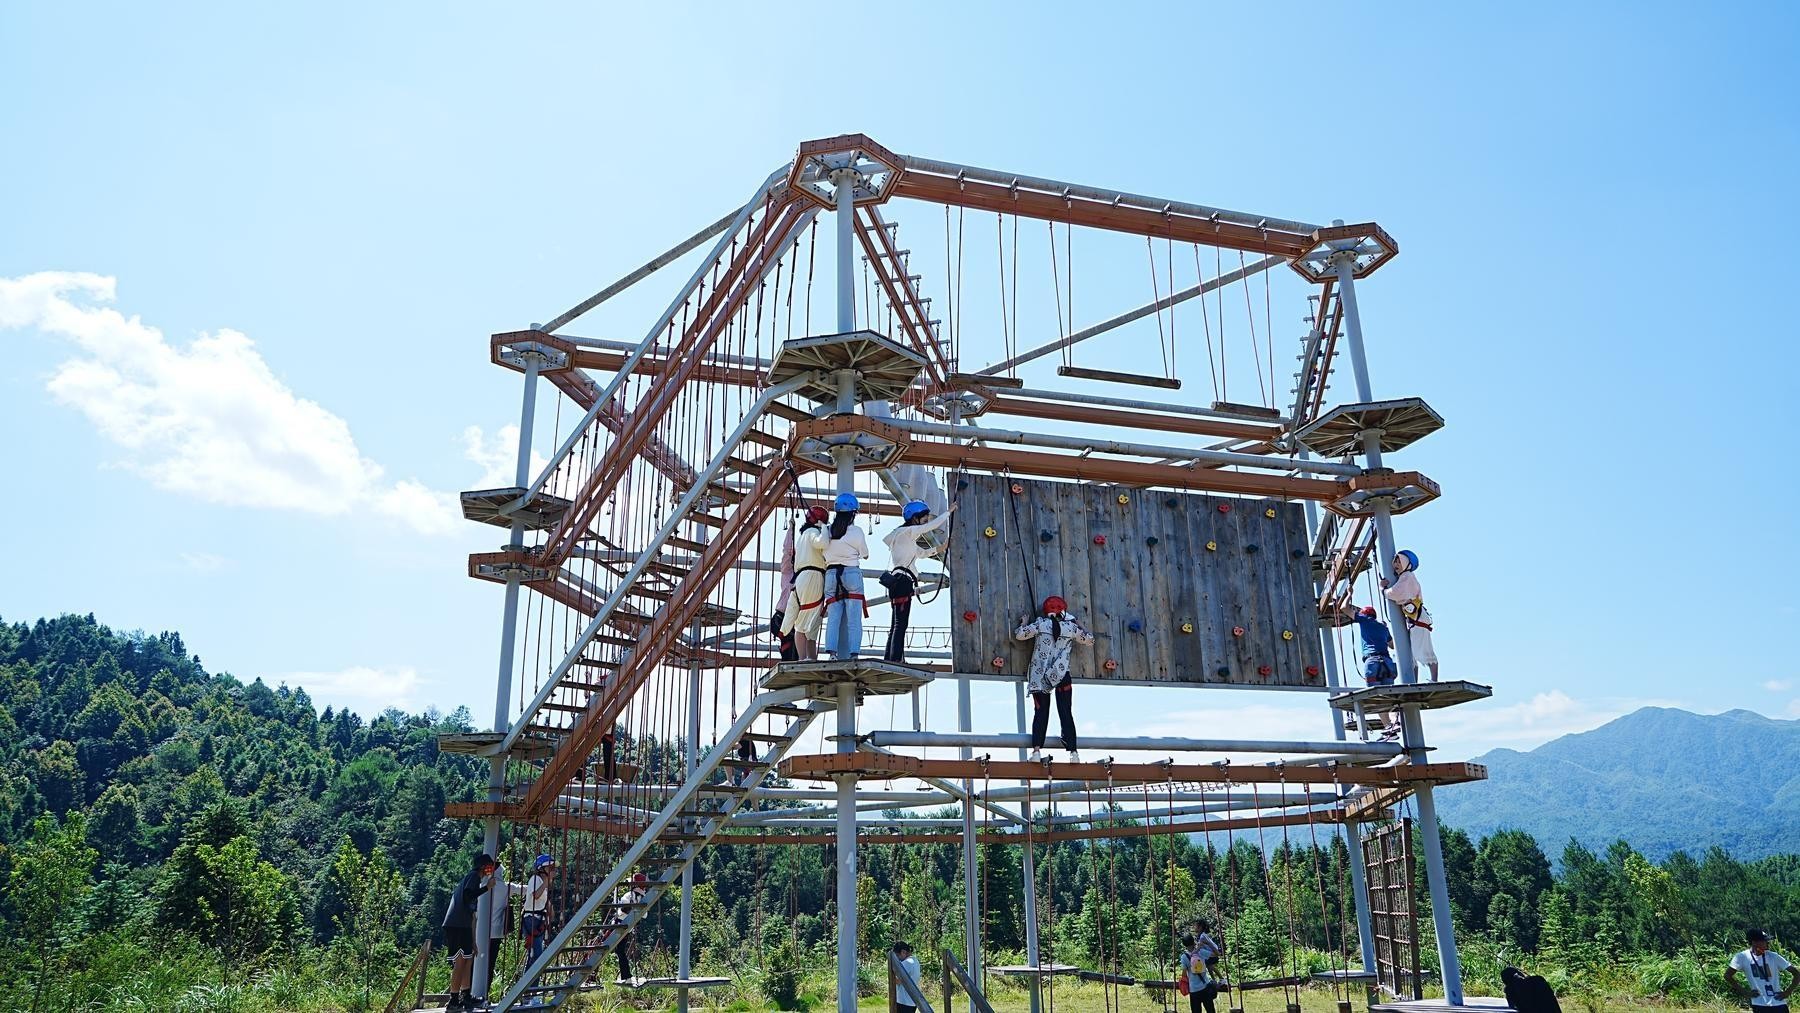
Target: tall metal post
x=684, y=964
x=1411, y=727
x=848, y=935
x=509, y=628
x=1029, y=869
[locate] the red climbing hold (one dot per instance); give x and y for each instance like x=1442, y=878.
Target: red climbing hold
x=1312, y=671
x=998, y=662
x=1265, y=671
x=1017, y=488
x=1237, y=631
x=1099, y=539
x=1110, y=665
x=970, y=616
x=1224, y=508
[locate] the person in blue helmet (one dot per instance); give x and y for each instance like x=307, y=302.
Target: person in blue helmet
x=902, y=577
x=1404, y=592
x=535, y=923
x=1378, y=660
x=845, y=606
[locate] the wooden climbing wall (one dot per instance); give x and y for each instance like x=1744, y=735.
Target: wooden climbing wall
x=1214, y=563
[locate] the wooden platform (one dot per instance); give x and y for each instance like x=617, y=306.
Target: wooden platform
x=1403, y=491
x=872, y=677
x=1478, y=1002
x=541, y=514
x=884, y=370
x=526, y=747
x=883, y=766
x=1424, y=695
x=1401, y=421
x=1028, y=971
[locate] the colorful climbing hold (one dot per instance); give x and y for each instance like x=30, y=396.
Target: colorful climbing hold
x=998, y=662
x=1187, y=627
x=970, y=616
x=1269, y=513
x=1017, y=488
x=1265, y=671
x=1312, y=671
x=990, y=532
x=1124, y=499
x=1045, y=536
x=961, y=484
x=1251, y=548
x=1224, y=508
x=1287, y=634
x=1110, y=665
x=1151, y=541
x=1223, y=671
x=1172, y=503
x=1237, y=631
x=1212, y=546
x=1135, y=626
x=1099, y=539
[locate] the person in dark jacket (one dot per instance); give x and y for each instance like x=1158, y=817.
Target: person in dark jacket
x=459, y=930
x=1528, y=993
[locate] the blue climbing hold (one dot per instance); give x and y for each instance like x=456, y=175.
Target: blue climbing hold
x=1045, y=536
x=1151, y=541
x=1135, y=626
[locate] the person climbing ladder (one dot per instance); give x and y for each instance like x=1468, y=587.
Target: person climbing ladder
x=1378, y=662
x=1056, y=632
x=1405, y=593
x=902, y=578
x=845, y=607
x=800, y=619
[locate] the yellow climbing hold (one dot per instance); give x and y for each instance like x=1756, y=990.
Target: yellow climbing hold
x=1287, y=634
x=1212, y=546
x=990, y=532
x=1187, y=627
x=1124, y=499
x=1269, y=513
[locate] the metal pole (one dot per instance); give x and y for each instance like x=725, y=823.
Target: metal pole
x=1365, y=926
x=509, y=628
x=1411, y=727
x=1029, y=868
x=848, y=935
x=1224, y=458
x=685, y=959
x=845, y=182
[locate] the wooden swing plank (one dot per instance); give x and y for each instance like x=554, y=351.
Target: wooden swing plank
x=1192, y=425
x=829, y=764
x=1112, y=376
x=1028, y=971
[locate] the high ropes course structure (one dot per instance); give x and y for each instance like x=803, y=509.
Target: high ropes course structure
x=644, y=712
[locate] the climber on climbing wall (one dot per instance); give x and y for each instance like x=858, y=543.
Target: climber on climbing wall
x=1378, y=662
x=800, y=619
x=1056, y=633
x=845, y=607
x=902, y=577
x=1405, y=593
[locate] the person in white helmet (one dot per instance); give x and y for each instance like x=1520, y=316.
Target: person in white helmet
x=1404, y=591
x=902, y=577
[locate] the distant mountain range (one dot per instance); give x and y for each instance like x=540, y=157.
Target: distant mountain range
x=1661, y=779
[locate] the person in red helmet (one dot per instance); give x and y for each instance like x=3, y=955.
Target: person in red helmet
x=1056, y=633
x=1378, y=661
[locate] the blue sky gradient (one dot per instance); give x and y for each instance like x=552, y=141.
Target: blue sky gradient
x=1591, y=201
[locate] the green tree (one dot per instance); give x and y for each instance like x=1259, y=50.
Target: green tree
x=217, y=888
x=51, y=874
x=368, y=893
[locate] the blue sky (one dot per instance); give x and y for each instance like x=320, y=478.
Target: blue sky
x=322, y=212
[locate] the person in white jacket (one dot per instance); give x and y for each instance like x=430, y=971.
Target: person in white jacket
x=1405, y=592
x=845, y=606
x=902, y=577
x=804, y=608
x=1056, y=632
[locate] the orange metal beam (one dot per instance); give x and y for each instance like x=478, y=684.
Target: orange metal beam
x=1092, y=469
x=881, y=766
x=1056, y=207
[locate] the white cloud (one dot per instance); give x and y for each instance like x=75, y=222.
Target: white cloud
x=497, y=457
x=209, y=419
x=359, y=688
x=1777, y=685
x=204, y=562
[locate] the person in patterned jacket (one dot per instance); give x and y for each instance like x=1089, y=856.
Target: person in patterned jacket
x=1056, y=633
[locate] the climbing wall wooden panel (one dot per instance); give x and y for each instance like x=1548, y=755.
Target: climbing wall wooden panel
x=1162, y=578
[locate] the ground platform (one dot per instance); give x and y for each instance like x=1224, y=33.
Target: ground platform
x=1478, y=1002
x=871, y=677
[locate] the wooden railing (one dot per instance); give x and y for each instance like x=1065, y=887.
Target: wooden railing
x=412, y=983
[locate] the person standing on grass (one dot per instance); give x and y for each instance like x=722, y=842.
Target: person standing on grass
x=459, y=931
x=1763, y=968
x=909, y=966
x=1201, y=988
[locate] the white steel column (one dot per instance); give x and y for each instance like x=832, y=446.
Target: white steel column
x=1412, y=729
x=685, y=957
x=1029, y=864
x=1365, y=925
x=848, y=928
x=509, y=628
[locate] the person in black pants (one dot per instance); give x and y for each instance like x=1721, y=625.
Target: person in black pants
x=1056, y=632
x=459, y=931
x=1202, y=989
x=902, y=577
